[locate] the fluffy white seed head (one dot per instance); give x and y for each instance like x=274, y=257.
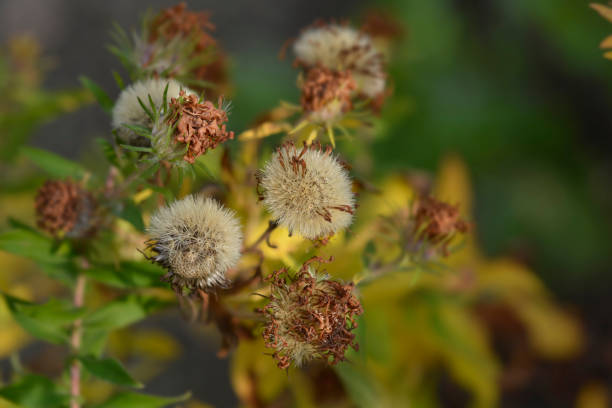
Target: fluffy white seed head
x=342, y=48
x=308, y=191
x=197, y=240
x=127, y=109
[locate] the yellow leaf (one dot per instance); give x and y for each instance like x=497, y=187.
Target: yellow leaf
x=607, y=42
x=142, y=195
x=604, y=11
x=453, y=184
x=255, y=374
x=264, y=130
x=593, y=395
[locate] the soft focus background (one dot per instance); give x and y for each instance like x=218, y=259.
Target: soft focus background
x=518, y=89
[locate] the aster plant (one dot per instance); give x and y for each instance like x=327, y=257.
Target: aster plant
x=236, y=232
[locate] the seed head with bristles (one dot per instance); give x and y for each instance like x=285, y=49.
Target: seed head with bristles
x=309, y=316
x=128, y=110
x=343, y=48
x=307, y=190
x=197, y=240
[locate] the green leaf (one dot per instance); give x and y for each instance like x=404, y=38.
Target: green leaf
x=32, y=245
x=34, y=391
x=49, y=321
x=53, y=164
x=131, y=213
x=359, y=385
x=25, y=241
x=103, y=99
x=132, y=399
x=109, y=151
x=129, y=274
x=139, y=130
x=110, y=370
x=136, y=148
x=118, y=80
x=123, y=312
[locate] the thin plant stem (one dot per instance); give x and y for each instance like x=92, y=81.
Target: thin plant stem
x=75, y=343
x=272, y=225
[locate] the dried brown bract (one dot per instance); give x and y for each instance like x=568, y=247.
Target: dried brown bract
x=199, y=125
x=437, y=221
x=327, y=92
x=178, y=21
x=309, y=316
x=62, y=207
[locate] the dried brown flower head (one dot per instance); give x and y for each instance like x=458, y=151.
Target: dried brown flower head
x=195, y=27
x=199, y=125
x=327, y=93
x=437, y=221
x=309, y=316
x=178, y=21
x=62, y=207
x=425, y=229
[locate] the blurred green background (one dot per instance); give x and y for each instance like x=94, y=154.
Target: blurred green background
x=518, y=88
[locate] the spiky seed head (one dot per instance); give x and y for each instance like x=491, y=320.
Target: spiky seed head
x=127, y=109
x=309, y=316
x=197, y=240
x=65, y=209
x=343, y=48
x=307, y=190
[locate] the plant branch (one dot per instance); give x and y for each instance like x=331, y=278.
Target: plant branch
x=75, y=343
x=265, y=236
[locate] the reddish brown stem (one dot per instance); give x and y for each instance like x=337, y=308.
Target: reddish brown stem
x=75, y=343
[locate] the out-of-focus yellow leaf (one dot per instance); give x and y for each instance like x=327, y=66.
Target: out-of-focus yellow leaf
x=264, y=130
x=453, y=184
x=254, y=375
x=593, y=395
x=12, y=336
x=552, y=332
x=151, y=343
x=142, y=195
x=607, y=42
x=608, y=55
x=604, y=11
x=95, y=390
x=6, y=404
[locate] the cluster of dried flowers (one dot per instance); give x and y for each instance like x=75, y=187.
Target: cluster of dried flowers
x=305, y=189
